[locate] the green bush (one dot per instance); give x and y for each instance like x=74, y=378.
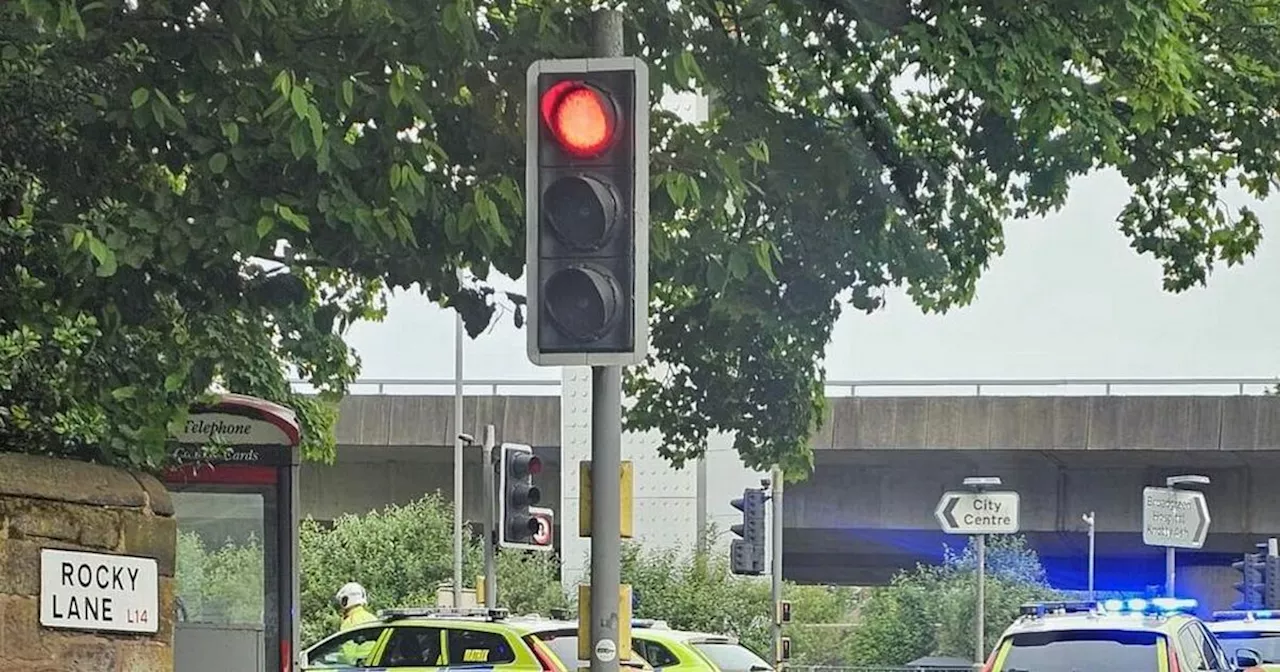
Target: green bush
x=220, y=585
x=931, y=610
x=696, y=591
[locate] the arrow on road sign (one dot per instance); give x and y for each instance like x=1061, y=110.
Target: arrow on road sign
x=978, y=512
x=1172, y=517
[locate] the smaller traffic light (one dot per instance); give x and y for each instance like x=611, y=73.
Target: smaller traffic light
x=746, y=553
x=518, y=526
x=784, y=612
x=1252, y=581
x=784, y=649
x=1271, y=594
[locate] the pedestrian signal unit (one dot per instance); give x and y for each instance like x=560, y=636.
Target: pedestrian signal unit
x=521, y=523
x=587, y=210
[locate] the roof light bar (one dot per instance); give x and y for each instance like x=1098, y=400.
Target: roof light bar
x=1152, y=606
x=1245, y=615
x=442, y=612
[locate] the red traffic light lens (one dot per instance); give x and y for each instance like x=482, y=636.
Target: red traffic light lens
x=535, y=466
x=581, y=117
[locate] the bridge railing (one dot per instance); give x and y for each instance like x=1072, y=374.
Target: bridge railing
x=865, y=388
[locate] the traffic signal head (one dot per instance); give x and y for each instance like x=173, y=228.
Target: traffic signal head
x=516, y=494
x=1252, y=582
x=587, y=211
x=1271, y=580
x=747, y=552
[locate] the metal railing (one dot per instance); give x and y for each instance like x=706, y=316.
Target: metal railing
x=854, y=388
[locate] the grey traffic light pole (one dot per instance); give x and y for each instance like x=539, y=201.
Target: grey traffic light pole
x=490, y=518
x=457, y=461
x=777, y=567
x=606, y=455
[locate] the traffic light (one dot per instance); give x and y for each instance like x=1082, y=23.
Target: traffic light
x=587, y=211
x=1252, y=581
x=518, y=525
x=1271, y=594
x=746, y=553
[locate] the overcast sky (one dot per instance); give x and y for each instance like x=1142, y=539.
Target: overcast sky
x=1068, y=299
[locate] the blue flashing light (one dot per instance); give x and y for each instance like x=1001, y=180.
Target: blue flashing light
x=1245, y=615
x=1155, y=605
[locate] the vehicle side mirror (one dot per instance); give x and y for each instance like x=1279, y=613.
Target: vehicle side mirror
x=1246, y=658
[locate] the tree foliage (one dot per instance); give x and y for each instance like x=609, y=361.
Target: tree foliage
x=151, y=151
x=696, y=591
x=931, y=610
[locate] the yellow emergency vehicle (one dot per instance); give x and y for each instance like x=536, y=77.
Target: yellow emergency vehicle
x=481, y=640
x=681, y=651
x=1134, y=635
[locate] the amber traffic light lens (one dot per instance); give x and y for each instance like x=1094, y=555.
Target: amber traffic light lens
x=583, y=119
x=581, y=211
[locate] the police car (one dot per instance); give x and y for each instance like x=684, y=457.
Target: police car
x=418, y=640
x=683, y=651
x=1246, y=633
x=1134, y=635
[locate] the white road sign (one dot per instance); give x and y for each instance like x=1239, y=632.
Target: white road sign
x=1172, y=517
x=95, y=591
x=978, y=512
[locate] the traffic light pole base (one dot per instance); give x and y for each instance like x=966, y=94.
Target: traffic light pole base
x=606, y=514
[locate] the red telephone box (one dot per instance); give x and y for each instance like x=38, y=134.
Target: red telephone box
x=236, y=506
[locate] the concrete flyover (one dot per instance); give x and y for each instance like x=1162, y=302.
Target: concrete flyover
x=888, y=449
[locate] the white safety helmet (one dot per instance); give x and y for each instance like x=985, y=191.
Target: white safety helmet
x=351, y=595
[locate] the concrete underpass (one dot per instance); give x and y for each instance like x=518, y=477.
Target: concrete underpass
x=881, y=465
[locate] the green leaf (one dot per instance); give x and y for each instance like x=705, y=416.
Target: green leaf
x=738, y=264
x=316, y=126
x=9, y=53
x=265, y=224
x=218, y=163
x=396, y=89
x=139, y=97
x=298, y=99
x=231, y=130
x=348, y=93
x=173, y=382
x=122, y=393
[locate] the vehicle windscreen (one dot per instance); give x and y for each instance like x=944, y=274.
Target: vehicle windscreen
x=732, y=657
x=564, y=643
x=1267, y=644
x=1079, y=650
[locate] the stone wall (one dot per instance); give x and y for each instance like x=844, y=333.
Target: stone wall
x=47, y=503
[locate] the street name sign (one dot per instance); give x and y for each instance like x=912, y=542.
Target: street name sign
x=1172, y=517
x=978, y=512
x=96, y=591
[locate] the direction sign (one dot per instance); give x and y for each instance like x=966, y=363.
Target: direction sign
x=978, y=512
x=1172, y=517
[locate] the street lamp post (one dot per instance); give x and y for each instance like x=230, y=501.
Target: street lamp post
x=1169, y=560
x=979, y=484
x=1089, y=520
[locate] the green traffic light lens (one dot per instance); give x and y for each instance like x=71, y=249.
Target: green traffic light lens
x=582, y=302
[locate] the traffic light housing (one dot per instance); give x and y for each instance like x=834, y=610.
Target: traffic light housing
x=746, y=553
x=587, y=211
x=1271, y=578
x=518, y=524
x=1252, y=581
